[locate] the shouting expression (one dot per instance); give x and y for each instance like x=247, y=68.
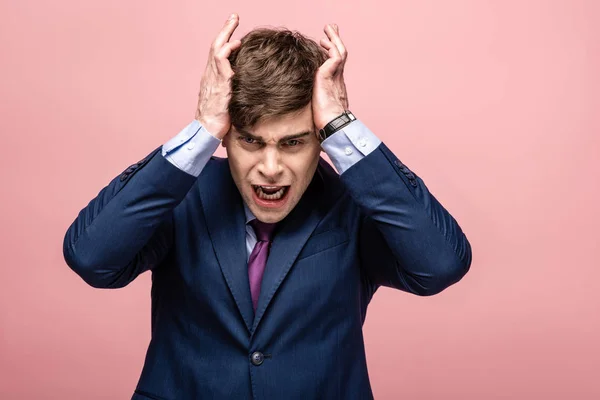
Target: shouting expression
x=273, y=163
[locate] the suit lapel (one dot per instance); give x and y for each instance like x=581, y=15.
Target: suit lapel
x=226, y=223
x=289, y=240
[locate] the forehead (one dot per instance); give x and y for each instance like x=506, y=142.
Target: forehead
x=275, y=128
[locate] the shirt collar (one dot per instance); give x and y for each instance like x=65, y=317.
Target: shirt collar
x=249, y=215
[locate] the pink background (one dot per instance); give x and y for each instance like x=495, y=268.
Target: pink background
x=493, y=103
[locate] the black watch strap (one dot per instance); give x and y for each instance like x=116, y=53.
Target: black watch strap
x=336, y=124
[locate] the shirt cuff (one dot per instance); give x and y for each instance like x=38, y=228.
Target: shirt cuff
x=191, y=148
x=349, y=145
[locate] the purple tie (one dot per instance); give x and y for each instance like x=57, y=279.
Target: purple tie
x=258, y=257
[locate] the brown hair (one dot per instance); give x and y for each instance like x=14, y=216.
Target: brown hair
x=274, y=71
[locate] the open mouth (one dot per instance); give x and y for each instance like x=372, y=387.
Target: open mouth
x=270, y=193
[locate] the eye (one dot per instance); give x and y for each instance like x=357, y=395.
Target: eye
x=247, y=140
x=293, y=142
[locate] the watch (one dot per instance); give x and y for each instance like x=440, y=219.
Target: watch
x=336, y=124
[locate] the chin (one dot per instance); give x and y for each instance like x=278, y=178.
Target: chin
x=268, y=216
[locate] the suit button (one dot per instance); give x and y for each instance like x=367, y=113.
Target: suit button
x=257, y=358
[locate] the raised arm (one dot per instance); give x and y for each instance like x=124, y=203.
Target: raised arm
x=127, y=229
x=408, y=240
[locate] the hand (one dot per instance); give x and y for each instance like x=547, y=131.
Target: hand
x=329, y=98
x=215, y=86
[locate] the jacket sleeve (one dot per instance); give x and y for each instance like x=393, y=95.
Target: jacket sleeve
x=127, y=228
x=408, y=240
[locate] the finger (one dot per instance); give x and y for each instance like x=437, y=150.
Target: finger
x=225, y=34
x=333, y=33
x=222, y=57
x=332, y=50
x=332, y=64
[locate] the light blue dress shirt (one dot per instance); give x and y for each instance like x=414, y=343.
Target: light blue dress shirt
x=191, y=149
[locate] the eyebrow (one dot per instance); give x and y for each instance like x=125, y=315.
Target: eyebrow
x=283, y=139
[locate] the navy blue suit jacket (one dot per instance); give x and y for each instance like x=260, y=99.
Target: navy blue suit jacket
x=376, y=225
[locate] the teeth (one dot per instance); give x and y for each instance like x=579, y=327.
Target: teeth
x=273, y=196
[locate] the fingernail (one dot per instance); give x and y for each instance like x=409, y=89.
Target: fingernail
x=232, y=16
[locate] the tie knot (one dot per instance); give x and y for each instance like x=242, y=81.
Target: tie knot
x=263, y=230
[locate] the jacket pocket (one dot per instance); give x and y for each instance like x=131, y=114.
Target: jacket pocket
x=323, y=241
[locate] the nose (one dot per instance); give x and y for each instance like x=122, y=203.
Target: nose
x=270, y=165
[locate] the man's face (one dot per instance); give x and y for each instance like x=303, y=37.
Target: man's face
x=273, y=163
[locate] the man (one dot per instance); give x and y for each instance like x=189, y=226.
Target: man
x=263, y=263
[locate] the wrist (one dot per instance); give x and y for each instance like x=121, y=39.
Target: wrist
x=214, y=129
x=336, y=123
x=328, y=116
